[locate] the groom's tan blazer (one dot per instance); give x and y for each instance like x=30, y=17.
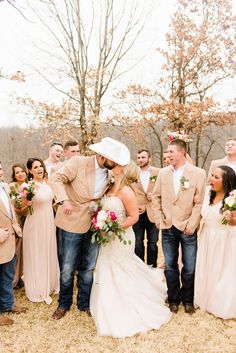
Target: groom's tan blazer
x=179, y=211
x=7, y=248
x=75, y=182
x=144, y=204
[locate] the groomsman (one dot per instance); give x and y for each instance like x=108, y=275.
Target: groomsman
x=80, y=181
x=143, y=190
x=229, y=159
x=8, y=230
x=54, y=158
x=71, y=149
x=178, y=216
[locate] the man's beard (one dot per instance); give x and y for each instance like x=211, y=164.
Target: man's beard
x=109, y=165
x=144, y=165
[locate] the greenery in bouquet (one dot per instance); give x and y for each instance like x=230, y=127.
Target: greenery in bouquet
x=229, y=205
x=27, y=191
x=106, y=227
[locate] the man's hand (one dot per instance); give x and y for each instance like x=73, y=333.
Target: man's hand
x=67, y=208
x=149, y=196
x=4, y=234
x=197, y=199
x=187, y=232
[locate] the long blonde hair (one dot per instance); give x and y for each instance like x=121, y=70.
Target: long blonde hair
x=130, y=175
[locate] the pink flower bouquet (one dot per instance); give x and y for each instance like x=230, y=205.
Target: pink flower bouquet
x=106, y=228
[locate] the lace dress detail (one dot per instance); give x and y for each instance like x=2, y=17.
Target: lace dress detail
x=127, y=296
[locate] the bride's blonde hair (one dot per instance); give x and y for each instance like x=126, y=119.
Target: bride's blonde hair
x=130, y=175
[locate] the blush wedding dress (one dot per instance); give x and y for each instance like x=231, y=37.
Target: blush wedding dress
x=127, y=297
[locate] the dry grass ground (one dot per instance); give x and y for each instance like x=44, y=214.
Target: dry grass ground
x=37, y=332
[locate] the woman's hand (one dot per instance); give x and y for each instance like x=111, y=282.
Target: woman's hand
x=230, y=217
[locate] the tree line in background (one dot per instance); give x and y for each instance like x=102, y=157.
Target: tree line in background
x=17, y=144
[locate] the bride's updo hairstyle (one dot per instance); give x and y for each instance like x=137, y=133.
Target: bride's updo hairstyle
x=130, y=175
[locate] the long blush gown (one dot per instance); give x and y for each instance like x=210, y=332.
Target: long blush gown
x=41, y=269
x=215, y=276
x=127, y=297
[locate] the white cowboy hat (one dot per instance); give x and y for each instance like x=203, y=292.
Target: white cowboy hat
x=111, y=149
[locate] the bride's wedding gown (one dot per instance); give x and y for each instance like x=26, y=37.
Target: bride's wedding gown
x=127, y=297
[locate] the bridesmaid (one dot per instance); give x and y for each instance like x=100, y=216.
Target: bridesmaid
x=215, y=285
x=19, y=176
x=41, y=269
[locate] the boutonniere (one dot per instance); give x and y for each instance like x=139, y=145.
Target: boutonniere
x=153, y=178
x=184, y=182
x=110, y=183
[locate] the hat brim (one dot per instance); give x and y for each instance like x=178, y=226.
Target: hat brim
x=122, y=159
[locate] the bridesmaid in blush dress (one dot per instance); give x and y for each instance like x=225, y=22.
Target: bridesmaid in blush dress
x=41, y=269
x=215, y=285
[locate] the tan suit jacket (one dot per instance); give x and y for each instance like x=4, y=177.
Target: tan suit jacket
x=144, y=204
x=75, y=182
x=214, y=164
x=7, y=248
x=179, y=211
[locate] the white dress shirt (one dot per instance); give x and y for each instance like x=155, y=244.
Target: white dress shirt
x=144, y=177
x=5, y=200
x=101, y=178
x=177, y=175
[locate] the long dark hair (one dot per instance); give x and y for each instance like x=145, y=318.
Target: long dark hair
x=228, y=183
x=18, y=165
x=29, y=165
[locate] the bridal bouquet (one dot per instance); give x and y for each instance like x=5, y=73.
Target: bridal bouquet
x=27, y=191
x=230, y=205
x=15, y=196
x=106, y=228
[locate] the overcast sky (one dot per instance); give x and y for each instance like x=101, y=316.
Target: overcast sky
x=20, y=36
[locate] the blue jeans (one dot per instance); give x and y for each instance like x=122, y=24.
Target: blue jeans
x=171, y=238
x=139, y=228
x=7, y=272
x=74, y=248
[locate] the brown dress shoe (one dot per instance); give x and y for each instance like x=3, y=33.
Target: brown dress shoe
x=59, y=313
x=174, y=307
x=4, y=320
x=18, y=309
x=189, y=309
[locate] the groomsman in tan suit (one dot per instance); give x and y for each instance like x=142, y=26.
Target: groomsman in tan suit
x=71, y=149
x=178, y=216
x=54, y=158
x=80, y=181
x=143, y=190
x=9, y=228
x=229, y=159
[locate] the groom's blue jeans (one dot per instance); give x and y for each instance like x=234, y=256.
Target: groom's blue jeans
x=74, y=249
x=171, y=239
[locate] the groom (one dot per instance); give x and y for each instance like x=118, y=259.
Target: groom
x=80, y=181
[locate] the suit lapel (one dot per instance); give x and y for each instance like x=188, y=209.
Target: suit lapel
x=152, y=173
x=187, y=174
x=3, y=209
x=170, y=181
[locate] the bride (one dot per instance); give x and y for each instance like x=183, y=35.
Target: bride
x=127, y=297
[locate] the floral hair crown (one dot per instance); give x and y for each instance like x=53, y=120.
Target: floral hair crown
x=178, y=135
